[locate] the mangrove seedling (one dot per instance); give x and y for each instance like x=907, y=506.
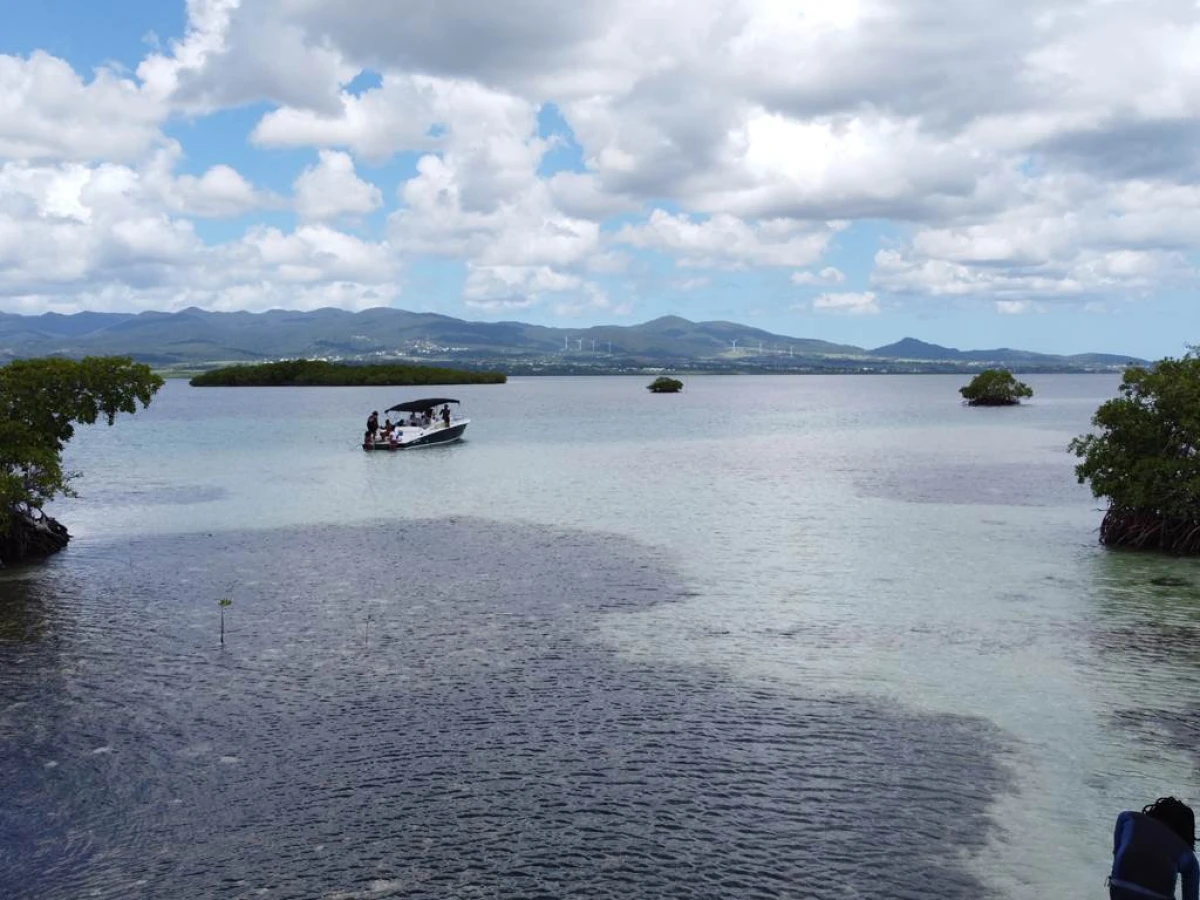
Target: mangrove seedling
x=222, y=603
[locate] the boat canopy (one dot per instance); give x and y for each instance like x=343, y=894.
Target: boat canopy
x=420, y=405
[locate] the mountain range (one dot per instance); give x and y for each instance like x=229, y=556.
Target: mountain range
x=196, y=338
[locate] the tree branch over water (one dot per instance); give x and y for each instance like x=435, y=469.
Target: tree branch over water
x=41, y=401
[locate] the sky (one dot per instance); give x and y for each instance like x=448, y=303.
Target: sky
x=976, y=174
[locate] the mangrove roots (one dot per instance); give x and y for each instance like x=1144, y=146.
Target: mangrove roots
x=1146, y=530
x=30, y=535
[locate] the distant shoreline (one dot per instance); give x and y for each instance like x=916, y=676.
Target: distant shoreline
x=682, y=368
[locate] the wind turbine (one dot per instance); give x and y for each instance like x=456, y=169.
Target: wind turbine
x=579, y=341
x=734, y=342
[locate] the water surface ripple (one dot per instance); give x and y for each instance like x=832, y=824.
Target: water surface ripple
x=427, y=709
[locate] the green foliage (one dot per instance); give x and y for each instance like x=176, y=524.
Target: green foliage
x=318, y=373
x=665, y=385
x=1145, y=457
x=224, y=601
x=995, y=387
x=41, y=401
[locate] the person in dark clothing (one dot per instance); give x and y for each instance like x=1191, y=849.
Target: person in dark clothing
x=446, y=414
x=373, y=423
x=1151, y=849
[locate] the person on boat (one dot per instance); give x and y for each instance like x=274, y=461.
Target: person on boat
x=1151, y=849
x=446, y=414
x=373, y=423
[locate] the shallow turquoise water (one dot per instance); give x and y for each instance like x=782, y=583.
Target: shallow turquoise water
x=772, y=636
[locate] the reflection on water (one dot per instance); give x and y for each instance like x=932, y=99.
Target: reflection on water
x=1149, y=622
x=981, y=482
x=143, y=493
x=424, y=710
x=23, y=606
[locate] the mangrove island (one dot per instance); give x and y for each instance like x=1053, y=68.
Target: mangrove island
x=318, y=373
x=995, y=387
x=665, y=385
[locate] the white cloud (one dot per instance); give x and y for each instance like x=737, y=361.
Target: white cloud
x=536, y=47
x=726, y=241
x=527, y=230
x=828, y=275
x=331, y=189
x=1021, y=154
x=479, y=198
x=581, y=195
x=849, y=303
x=73, y=234
x=1070, y=239
x=221, y=192
x=750, y=107
x=236, y=53
x=105, y=192
x=513, y=287
x=313, y=254
x=397, y=115
x=47, y=112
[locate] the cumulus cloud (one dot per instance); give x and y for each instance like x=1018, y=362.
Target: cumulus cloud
x=723, y=240
x=449, y=212
x=220, y=192
x=331, y=189
x=1070, y=239
x=73, y=234
x=235, y=53
x=72, y=224
x=48, y=112
x=1023, y=154
x=513, y=287
x=398, y=115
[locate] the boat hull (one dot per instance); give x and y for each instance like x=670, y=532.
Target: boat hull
x=423, y=438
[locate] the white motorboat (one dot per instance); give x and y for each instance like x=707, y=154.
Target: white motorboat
x=422, y=423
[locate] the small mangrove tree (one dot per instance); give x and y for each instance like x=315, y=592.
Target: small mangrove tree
x=995, y=387
x=1145, y=459
x=665, y=385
